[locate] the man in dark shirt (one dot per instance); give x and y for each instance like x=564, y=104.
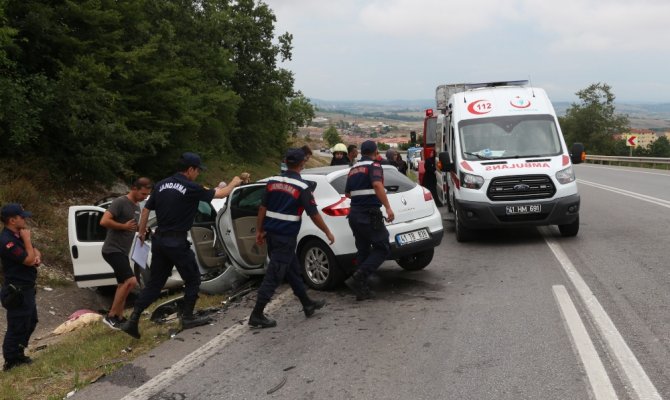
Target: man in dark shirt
x=278, y=222
x=175, y=201
x=121, y=220
x=20, y=261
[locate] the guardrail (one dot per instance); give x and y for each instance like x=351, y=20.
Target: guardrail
x=622, y=160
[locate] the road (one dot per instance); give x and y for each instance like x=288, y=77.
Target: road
x=516, y=314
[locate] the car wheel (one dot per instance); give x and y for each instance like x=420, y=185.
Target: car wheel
x=416, y=261
x=142, y=275
x=319, y=266
x=463, y=234
x=569, y=230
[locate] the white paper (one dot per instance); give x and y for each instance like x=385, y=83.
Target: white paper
x=140, y=253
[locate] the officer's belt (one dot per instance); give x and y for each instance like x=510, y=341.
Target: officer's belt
x=362, y=192
x=21, y=287
x=170, y=234
x=283, y=217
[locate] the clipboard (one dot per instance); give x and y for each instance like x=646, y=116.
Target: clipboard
x=140, y=253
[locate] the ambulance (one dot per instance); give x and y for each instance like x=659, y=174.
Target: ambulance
x=502, y=159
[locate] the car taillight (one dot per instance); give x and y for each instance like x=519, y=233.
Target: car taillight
x=339, y=209
x=427, y=195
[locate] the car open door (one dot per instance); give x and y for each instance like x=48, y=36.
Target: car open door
x=86, y=237
x=236, y=223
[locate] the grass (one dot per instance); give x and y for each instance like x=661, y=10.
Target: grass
x=67, y=365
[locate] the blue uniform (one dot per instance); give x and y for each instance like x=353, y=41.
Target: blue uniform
x=286, y=198
x=22, y=318
x=175, y=201
x=372, y=242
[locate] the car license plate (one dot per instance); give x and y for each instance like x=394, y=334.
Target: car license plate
x=412, y=237
x=527, y=209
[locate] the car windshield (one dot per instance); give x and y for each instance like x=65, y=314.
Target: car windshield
x=394, y=182
x=509, y=137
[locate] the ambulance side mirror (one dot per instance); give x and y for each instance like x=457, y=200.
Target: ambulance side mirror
x=577, y=153
x=445, y=164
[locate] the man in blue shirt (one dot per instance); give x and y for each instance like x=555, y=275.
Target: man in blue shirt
x=20, y=261
x=278, y=222
x=175, y=201
x=365, y=187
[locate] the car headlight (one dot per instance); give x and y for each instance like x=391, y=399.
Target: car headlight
x=471, y=181
x=565, y=175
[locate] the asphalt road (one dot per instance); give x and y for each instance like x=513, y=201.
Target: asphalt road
x=516, y=314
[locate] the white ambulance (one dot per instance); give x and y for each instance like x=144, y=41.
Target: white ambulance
x=503, y=159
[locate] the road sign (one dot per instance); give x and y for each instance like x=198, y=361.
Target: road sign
x=631, y=140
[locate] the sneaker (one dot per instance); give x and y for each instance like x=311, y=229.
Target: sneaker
x=112, y=322
x=261, y=321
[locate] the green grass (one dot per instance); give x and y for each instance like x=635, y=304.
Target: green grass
x=85, y=355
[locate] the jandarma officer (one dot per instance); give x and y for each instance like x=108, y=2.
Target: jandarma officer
x=278, y=222
x=20, y=261
x=365, y=187
x=175, y=201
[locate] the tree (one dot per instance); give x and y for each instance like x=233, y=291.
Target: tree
x=301, y=112
x=660, y=147
x=593, y=121
x=332, y=136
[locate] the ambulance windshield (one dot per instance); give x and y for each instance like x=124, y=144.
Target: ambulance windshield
x=509, y=137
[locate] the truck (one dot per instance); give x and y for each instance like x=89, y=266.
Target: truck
x=503, y=160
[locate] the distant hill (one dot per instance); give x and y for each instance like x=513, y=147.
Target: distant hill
x=641, y=115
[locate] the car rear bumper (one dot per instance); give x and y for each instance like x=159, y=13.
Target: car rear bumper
x=397, y=251
x=477, y=215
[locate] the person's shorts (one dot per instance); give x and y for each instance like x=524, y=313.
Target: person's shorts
x=120, y=264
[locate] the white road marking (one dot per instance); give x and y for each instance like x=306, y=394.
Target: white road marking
x=627, y=363
x=639, y=170
x=601, y=386
x=643, y=197
x=196, y=358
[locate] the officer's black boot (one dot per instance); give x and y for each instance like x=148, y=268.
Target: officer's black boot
x=188, y=320
x=258, y=320
x=131, y=325
x=309, y=306
x=358, y=284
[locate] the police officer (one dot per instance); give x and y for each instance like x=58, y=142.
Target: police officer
x=175, y=201
x=278, y=222
x=20, y=261
x=365, y=187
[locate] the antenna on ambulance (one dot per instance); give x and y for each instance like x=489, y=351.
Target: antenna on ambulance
x=531, y=86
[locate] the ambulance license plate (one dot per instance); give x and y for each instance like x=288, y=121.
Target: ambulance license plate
x=412, y=237
x=527, y=209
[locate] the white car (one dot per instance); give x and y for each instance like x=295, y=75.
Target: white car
x=225, y=239
x=414, y=233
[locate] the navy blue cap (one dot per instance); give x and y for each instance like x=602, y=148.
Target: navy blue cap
x=294, y=156
x=13, y=210
x=192, y=160
x=368, y=147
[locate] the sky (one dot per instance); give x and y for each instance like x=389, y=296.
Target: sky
x=403, y=49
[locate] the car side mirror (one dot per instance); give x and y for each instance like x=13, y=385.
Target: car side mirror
x=577, y=153
x=445, y=164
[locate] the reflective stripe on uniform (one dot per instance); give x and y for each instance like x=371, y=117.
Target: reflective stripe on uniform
x=283, y=217
x=362, y=192
x=362, y=163
x=289, y=180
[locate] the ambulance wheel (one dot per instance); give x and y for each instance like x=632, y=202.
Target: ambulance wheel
x=416, y=261
x=569, y=230
x=463, y=234
x=319, y=266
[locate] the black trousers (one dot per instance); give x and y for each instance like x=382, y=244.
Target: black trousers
x=21, y=323
x=283, y=265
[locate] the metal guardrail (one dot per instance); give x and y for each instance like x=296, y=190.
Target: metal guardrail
x=622, y=160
